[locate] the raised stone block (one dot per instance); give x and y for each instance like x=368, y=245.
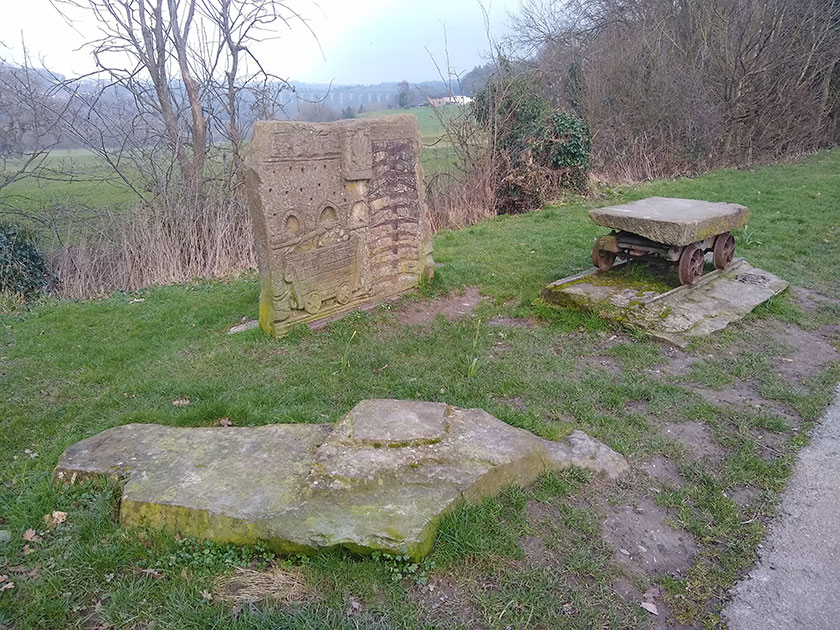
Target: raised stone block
x=339, y=216
x=672, y=221
x=379, y=479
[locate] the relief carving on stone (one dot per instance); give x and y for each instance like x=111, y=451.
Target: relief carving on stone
x=339, y=219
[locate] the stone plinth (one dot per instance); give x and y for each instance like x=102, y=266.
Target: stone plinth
x=339, y=216
x=672, y=221
x=379, y=479
x=675, y=315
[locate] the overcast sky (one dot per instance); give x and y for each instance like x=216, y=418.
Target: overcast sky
x=363, y=41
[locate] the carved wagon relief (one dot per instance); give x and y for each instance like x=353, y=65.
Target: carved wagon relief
x=338, y=216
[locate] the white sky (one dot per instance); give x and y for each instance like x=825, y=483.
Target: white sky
x=363, y=41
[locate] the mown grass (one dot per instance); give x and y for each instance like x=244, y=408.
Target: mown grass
x=71, y=369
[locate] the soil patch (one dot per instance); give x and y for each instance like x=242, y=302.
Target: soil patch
x=637, y=406
x=744, y=495
x=697, y=437
x=535, y=551
x=677, y=364
x=742, y=395
x=813, y=352
x=809, y=299
x=512, y=322
x=452, y=307
x=643, y=541
x=500, y=346
x=663, y=470
x=602, y=362
x=661, y=621
x=447, y=603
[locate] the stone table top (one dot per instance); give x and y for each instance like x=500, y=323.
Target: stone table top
x=672, y=221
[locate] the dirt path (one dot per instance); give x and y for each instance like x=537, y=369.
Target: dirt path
x=796, y=582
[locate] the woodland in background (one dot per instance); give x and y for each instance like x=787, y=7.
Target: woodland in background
x=673, y=87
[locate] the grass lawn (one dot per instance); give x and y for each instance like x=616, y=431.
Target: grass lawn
x=74, y=176
x=711, y=433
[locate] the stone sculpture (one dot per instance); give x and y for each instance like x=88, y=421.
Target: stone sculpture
x=339, y=216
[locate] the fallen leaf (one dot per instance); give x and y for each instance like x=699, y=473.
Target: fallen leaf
x=181, y=402
x=35, y=570
x=651, y=608
x=225, y=422
x=27, y=550
x=237, y=608
x=3, y=578
x=56, y=518
x=206, y=596
x=7, y=586
x=32, y=454
x=30, y=536
x=152, y=573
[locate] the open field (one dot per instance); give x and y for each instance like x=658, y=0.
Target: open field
x=79, y=178
x=75, y=176
x=710, y=432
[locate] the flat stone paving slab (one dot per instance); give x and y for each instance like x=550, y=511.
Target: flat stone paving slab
x=671, y=220
x=675, y=315
x=379, y=479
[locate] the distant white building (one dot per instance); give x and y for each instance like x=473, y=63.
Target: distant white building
x=449, y=100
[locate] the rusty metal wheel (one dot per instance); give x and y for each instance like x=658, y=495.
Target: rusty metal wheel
x=691, y=264
x=604, y=260
x=724, y=250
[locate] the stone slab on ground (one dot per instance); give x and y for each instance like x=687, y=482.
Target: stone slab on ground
x=379, y=479
x=797, y=578
x=674, y=315
x=671, y=220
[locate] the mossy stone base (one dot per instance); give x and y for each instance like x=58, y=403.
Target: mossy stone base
x=676, y=315
x=380, y=479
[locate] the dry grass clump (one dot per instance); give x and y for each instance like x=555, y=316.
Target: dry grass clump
x=155, y=246
x=249, y=586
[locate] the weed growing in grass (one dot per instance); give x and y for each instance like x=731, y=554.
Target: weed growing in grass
x=401, y=566
x=345, y=360
x=206, y=555
x=747, y=236
x=474, y=364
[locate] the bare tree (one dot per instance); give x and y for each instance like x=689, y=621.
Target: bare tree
x=676, y=86
x=29, y=124
x=176, y=60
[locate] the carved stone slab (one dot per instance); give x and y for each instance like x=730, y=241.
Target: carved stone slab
x=339, y=216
